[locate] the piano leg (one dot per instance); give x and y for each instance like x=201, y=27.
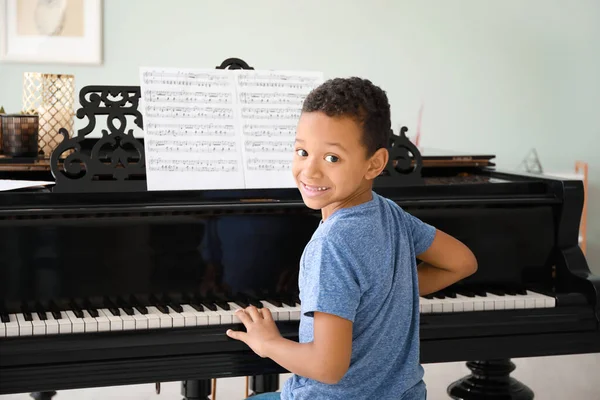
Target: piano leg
x=196, y=389
x=43, y=395
x=490, y=380
x=264, y=383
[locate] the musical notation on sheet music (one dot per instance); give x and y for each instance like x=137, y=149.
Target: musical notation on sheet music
x=176, y=129
x=221, y=129
x=191, y=138
x=288, y=131
x=174, y=78
x=181, y=96
x=166, y=164
x=192, y=146
x=271, y=105
x=263, y=165
x=164, y=111
x=268, y=147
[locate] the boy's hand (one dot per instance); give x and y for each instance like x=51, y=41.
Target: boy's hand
x=260, y=329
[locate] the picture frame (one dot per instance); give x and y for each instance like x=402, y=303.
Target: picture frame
x=51, y=31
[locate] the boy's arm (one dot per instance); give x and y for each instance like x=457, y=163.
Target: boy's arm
x=326, y=359
x=445, y=262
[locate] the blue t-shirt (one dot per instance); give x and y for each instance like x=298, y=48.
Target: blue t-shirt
x=360, y=264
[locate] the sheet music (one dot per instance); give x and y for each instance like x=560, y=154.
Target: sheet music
x=9, y=184
x=270, y=106
x=221, y=129
x=190, y=131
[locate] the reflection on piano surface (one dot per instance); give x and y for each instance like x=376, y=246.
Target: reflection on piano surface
x=126, y=287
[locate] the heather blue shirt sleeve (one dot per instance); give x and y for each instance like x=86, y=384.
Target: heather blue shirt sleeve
x=330, y=283
x=421, y=232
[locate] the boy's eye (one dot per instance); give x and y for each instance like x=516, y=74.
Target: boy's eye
x=331, y=158
x=301, y=153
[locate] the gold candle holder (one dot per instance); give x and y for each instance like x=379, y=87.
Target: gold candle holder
x=52, y=98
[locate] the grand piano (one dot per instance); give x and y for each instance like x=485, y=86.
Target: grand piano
x=103, y=282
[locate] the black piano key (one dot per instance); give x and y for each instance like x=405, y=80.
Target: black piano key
x=26, y=313
x=4, y=316
x=196, y=305
x=159, y=304
x=242, y=303
x=439, y=295
x=75, y=308
x=290, y=303
x=173, y=304
x=136, y=304
x=224, y=305
x=40, y=312
x=87, y=306
x=274, y=302
x=497, y=292
x=125, y=306
x=209, y=305
x=110, y=306
x=429, y=296
x=54, y=310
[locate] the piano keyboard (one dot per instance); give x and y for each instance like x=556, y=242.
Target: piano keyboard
x=133, y=318
x=81, y=320
x=487, y=301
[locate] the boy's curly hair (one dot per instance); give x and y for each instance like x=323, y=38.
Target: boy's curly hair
x=359, y=99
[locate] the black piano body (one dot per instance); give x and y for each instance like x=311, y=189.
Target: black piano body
x=81, y=255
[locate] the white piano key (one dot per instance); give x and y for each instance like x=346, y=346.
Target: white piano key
x=39, y=327
x=77, y=324
x=153, y=320
x=226, y=316
x=201, y=317
x=468, y=303
x=90, y=324
x=115, y=321
x=499, y=301
x=165, y=319
x=25, y=327
x=542, y=301
x=12, y=326
x=128, y=320
x=103, y=322
x=178, y=320
x=64, y=323
x=425, y=305
x=234, y=308
x=295, y=313
x=189, y=318
x=275, y=311
x=52, y=327
x=141, y=321
x=214, y=318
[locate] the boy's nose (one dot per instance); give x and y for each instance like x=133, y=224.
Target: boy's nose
x=311, y=169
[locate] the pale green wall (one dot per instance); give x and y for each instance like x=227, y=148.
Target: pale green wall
x=498, y=76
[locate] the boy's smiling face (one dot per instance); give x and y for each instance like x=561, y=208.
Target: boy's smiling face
x=331, y=166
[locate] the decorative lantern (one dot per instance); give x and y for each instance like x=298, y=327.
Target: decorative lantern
x=52, y=98
x=20, y=135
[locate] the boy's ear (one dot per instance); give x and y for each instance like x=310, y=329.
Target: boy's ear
x=377, y=163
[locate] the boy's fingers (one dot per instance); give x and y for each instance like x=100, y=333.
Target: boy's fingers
x=253, y=312
x=266, y=313
x=237, y=335
x=241, y=314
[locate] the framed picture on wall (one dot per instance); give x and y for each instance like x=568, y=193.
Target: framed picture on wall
x=51, y=31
